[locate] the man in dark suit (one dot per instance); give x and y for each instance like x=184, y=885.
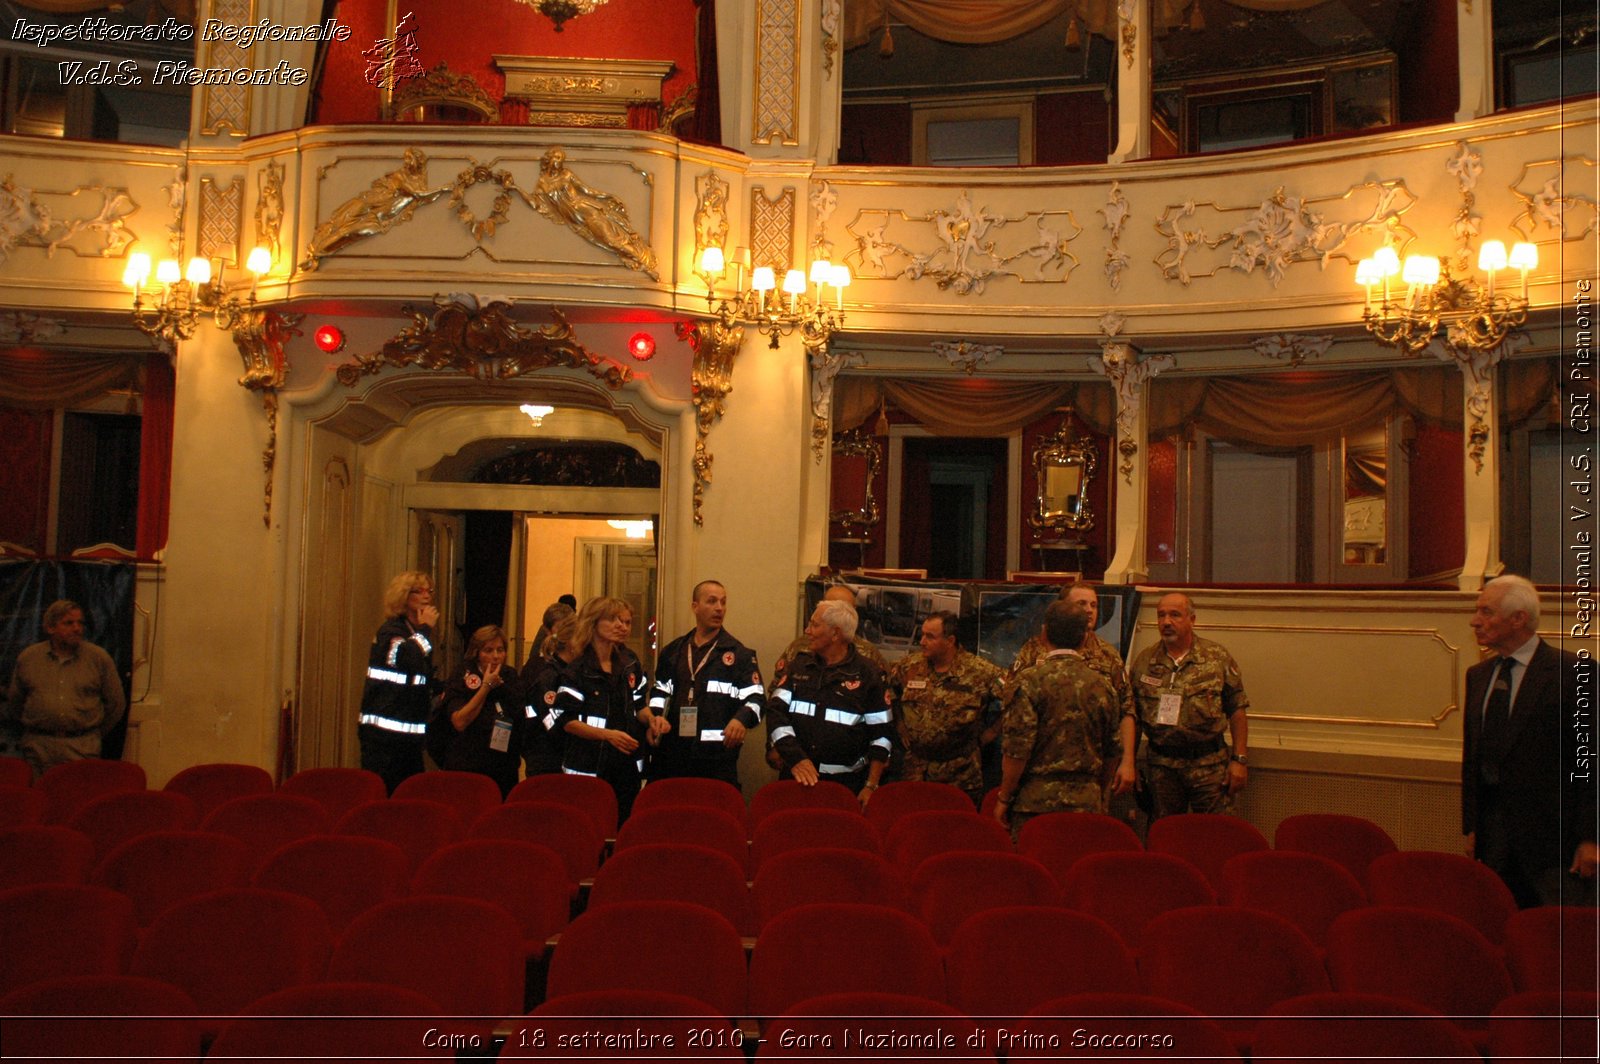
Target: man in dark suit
x=1527, y=774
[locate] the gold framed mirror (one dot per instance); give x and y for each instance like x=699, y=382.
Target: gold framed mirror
x=856, y=461
x=1063, y=466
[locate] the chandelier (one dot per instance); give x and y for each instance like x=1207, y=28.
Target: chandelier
x=801, y=303
x=1474, y=316
x=169, y=309
x=558, y=11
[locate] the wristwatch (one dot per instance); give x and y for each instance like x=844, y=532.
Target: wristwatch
x=1242, y=759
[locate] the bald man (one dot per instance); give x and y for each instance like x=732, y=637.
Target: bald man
x=1189, y=693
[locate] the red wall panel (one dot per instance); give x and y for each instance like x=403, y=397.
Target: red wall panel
x=1437, y=503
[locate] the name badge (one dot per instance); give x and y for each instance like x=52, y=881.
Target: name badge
x=1167, y=711
x=916, y=685
x=688, y=721
x=1150, y=681
x=500, y=738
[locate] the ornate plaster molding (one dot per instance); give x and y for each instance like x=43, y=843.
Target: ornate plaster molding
x=1115, y=214
x=1293, y=348
x=259, y=335
x=25, y=327
x=1279, y=231
x=825, y=366
x=27, y=220
x=221, y=219
x=461, y=335
x=710, y=220
x=968, y=356
x=1546, y=206
x=772, y=227
x=1119, y=363
x=270, y=208
x=715, y=345
x=1465, y=166
x=776, y=114
x=832, y=11
x=968, y=248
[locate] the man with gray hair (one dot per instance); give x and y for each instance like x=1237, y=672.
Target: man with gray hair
x=1527, y=781
x=65, y=692
x=829, y=711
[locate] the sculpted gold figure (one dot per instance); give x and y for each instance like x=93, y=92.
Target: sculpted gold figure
x=392, y=199
x=598, y=217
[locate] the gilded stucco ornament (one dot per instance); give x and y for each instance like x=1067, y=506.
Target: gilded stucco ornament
x=460, y=334
x=1465, y=166
x=1293, y=348
x=1477, y=370
x=1115, y=215
x=259, y=335
x=482, y=228
x=1548, y=206
x=715, y=345
x=27, y=220
x=966, y=355
x=389, y=201
x=1129, y=32
x=831, y=13
x=598, y=217
x=1119, y=363
x=825, y=366
x=25, y=327
x=1277, y=232
x=269, y=207
x=969, y=246
x=710, y=221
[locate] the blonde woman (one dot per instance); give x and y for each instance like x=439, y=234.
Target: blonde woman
x=600, y=702
x=479, y=720
x=395, y=702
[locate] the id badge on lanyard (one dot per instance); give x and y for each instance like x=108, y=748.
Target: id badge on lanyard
x=500, y=738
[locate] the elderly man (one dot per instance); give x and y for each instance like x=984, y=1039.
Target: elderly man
x=709, y=688
x=1189, y=692
x=947, y=707
x=1062, y=728
x=836, y=593
x=829, y=712
x=65, y=692
x=1527, y=796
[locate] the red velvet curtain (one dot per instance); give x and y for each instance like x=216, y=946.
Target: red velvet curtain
x=706, y=127
x=155, y=456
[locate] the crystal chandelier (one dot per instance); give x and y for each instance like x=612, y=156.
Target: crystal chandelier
x=558, y=11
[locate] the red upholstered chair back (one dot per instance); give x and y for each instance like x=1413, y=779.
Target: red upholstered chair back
x=1182, y=1034
x=698, y=1031
x=470, y=794
x=44, y=853
x=530, y=881
x=841, y=948
x=352, y=1023
x=230, y=947
x=809, y=829
x=646, y=945
x=1309, y=891
x=806, y=877
x=894, y=800
x=1353, y=841
x=1553, y=947
x=101, y=1017
x=594, y=797
x=779, y=795
x=72, y=784
x=696, y=825
x=676, y=872
x=1127, y=890
x=917, y=836
x=52, y=930
x=267, y=822
x=339, y=789
x=1444, y=882
x=949, y=887
x=418, y=827
x=1063, y=952
x=345, y=875
x=162, y=868
x=1205, y=840
x=1354, y=1027
x=1059, y=840
x=208, y=786
x=565, y=829
x=713, y=794
x=113, y=819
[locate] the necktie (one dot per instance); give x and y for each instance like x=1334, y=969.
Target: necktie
x=1496, y=723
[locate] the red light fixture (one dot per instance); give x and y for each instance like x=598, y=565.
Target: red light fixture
x=642, y=346
x=329, y=338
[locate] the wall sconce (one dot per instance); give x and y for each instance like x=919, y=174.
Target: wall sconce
x=1475, y=317
x=558, y=11
x=764, y=306
x=169, y=310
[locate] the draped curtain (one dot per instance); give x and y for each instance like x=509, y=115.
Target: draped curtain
x=1262, y=410
x=988, y=21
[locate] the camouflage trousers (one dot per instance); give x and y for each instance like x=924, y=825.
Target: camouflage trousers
x=1062, y=798
x=1199, y=785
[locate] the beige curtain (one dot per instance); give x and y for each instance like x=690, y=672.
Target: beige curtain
x=34, y=379
x=1262, y=410
x=988, y=21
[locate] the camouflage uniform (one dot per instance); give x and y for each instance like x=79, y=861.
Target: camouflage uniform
x=1188, y=761
x=1061, y=718
x=1101, y=656
x=941, y=717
